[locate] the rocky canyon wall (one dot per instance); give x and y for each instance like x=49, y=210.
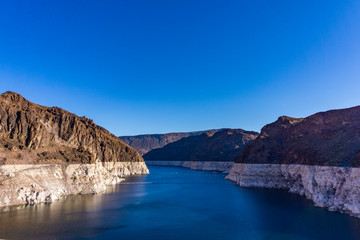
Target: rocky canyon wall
x=47, y=152
x=335, y=188
x=317, y=157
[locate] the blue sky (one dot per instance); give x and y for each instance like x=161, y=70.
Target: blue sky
x=163, y=66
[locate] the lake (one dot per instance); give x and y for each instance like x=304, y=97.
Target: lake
x=178, y=203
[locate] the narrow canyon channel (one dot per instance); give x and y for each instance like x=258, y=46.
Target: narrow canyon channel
x=178, y=203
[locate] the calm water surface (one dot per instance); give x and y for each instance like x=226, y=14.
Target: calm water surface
x=178, y=203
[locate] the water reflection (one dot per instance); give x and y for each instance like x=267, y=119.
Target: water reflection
x=76, y=213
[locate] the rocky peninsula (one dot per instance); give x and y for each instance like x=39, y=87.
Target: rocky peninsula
x=47, y=153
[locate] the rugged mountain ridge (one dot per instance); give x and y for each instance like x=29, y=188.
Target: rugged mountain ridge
x=326, y=139
x=208, y=151
x=317, y=156
x=28, y=126
x=147, y=142
x=75, y=155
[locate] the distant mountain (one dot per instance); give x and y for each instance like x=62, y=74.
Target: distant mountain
x=224, y=145
x=147, y=142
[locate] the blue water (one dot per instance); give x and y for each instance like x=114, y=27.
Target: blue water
x=178, y=203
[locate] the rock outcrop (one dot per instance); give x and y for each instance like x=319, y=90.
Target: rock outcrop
x=317, y=156
x=47, y=152
x=208, y=151
x=147, y=142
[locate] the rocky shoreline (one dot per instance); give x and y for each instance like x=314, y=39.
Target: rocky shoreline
x=48, y=152
x=31, y=184
x=195, y=165
x=334, y=188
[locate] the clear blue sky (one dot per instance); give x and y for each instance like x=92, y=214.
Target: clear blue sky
x=163, y=66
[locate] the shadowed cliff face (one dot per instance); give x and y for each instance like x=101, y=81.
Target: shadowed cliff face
x=329, y=138
x=148, y=142
x=30, y=133
x=224, y=145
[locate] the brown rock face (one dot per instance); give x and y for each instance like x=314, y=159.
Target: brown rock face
x=33, y=134
x=224, y=145
x=147, y=142
x=329, y=138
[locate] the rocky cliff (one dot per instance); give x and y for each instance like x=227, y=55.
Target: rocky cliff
x=147, y=142
x=317, y=157
x=208, y=151
x=47, y=152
